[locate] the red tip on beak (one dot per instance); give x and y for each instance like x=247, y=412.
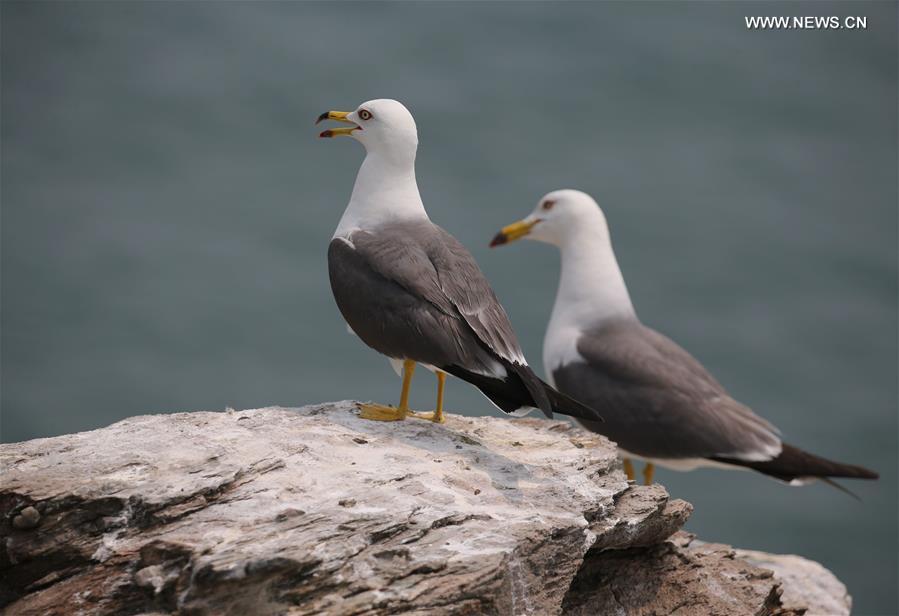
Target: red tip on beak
x=499, y=239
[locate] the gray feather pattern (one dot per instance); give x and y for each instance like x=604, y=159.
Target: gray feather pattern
x=409, y=289
x=432, y=264
x=658, y=401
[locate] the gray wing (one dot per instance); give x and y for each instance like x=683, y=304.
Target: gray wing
x=430, y=263
x=411, y=290
x=658, y=401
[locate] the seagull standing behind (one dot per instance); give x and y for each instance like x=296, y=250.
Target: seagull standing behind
x=659, y=403
x=411, y=291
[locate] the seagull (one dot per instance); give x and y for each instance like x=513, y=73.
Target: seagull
x=411, y=291
x=659, y=403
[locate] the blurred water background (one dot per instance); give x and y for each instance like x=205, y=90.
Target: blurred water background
x=166, y=210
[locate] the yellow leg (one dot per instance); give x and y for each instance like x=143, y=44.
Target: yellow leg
x=441, y=381
x=437, y=415
x=380, y=412
x=628, y=469
x=648, y=470
x=408, y=371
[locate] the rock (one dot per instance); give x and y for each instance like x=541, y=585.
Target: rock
x=28, y=518
x=315, y=511
x=807, y=585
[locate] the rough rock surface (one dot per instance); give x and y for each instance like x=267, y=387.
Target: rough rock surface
x=807, y=585
x=315, y=511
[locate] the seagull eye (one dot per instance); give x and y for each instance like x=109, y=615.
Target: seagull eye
x=548, y=205
x=365, y=114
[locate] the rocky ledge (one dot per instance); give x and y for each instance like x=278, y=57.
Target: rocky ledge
x=315, y=511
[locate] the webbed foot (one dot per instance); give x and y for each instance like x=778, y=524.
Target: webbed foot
x=435, y=416
x=381, y=412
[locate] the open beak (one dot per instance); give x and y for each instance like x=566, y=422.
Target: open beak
x=515, y=231
x=339, y=116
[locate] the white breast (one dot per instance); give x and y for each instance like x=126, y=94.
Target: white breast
x=591, y=291
x=560, y=347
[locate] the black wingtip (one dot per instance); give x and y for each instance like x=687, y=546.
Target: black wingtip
x=550, y=400
x=795, y=464
x=864, y=473
x=580, y=411
x=566, y=405
x=537, y=389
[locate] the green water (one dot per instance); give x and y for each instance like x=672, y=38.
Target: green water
x=166, y=210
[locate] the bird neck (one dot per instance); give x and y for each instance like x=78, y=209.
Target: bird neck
x=385, y=190
x=591, y=287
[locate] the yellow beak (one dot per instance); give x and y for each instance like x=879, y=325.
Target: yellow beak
x=515, y=231
x=339, y=116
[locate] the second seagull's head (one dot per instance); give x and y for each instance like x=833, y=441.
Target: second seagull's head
x=383, y=126
x=560, y=217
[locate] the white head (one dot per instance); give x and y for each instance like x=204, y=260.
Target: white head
x=384, y=126
x=385, y=187
x=591, y=287
x=559, y=218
